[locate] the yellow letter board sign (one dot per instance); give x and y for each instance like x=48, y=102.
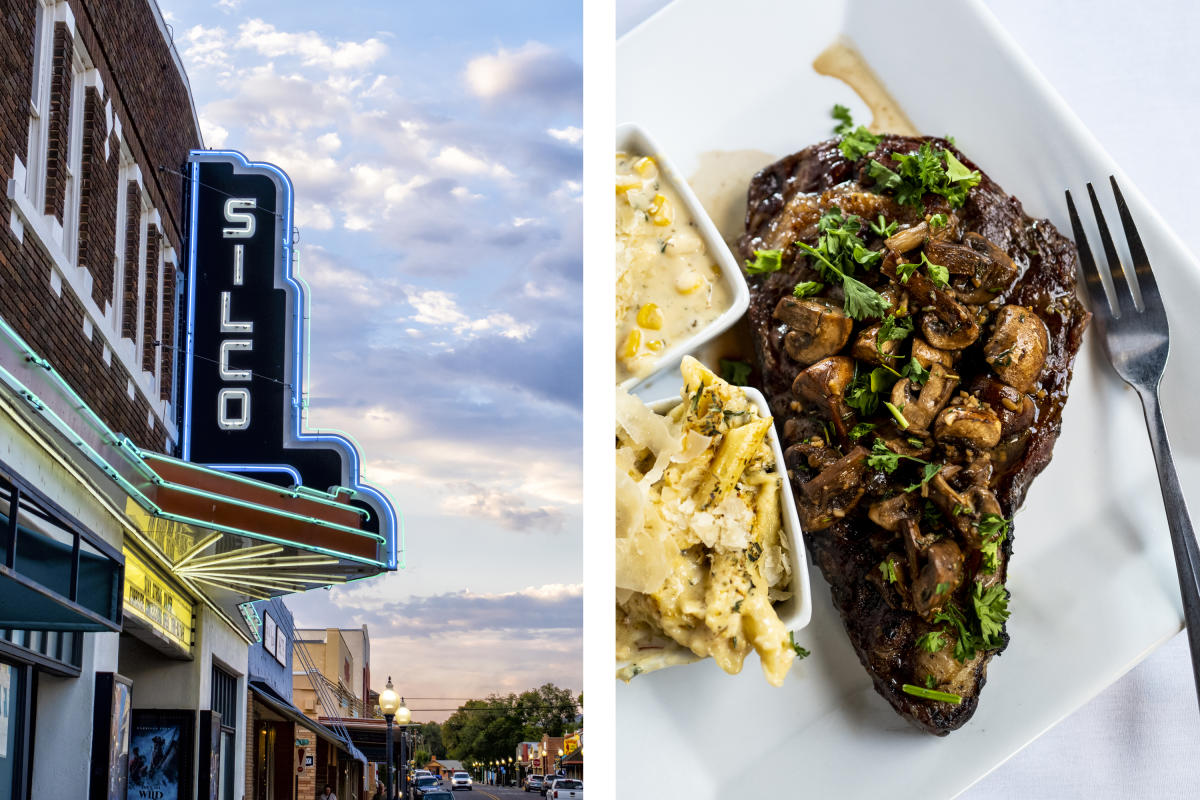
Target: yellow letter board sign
x=151, y=600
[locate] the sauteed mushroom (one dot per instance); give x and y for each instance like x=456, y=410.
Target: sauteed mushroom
x=816, y=328
x=1017, y=349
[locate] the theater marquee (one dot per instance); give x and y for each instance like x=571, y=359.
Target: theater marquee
x=244, y=367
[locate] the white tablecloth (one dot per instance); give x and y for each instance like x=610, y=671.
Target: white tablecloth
x=1129, y=71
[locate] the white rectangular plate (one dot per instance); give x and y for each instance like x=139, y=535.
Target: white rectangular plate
x=1092, y=577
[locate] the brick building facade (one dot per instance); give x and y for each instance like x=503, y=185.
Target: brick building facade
x=95, y=125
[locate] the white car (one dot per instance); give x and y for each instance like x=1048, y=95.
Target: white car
x=460, y=780
x=565, y=789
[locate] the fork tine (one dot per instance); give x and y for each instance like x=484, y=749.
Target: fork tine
x=1087, y=265
x=1115, y=270
x=1141, y=262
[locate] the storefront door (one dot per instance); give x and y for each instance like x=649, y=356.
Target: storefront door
x=12, y=692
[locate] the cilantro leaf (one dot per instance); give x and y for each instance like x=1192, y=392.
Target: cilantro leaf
x=915, y=372
x=765, y=261
x=845, y=122
x=905, y=271
x=992, y=530
x=930, y=471
x=991, y=608
x=885, y=179
x=883, y=458
x=892, y=329
x=860, y=430
x=937, y=273
x=931, y=642
x=862, y=301
x=807, y=288
x=860, y=397
x=858, y=143
x=735, y=372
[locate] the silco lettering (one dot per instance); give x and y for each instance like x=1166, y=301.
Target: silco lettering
x=233, y=402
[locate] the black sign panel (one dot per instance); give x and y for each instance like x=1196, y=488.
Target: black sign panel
x=244, y=367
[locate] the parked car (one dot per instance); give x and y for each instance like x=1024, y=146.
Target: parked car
x=460, y=780
x=548, y=781
x=534, y=783
x=424, y=784
x=438, y=794
x=565, y=789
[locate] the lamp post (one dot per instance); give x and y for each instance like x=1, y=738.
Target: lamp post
x=392, y=706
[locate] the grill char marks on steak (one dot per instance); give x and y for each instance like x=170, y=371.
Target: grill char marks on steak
x=786, y=201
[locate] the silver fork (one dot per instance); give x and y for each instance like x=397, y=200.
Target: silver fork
x=1136, y=340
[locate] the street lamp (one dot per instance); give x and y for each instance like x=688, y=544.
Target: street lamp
x=392, y=706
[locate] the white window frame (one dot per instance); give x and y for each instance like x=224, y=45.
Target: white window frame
x=71, y=194
x=49, y=12
x=127, y=171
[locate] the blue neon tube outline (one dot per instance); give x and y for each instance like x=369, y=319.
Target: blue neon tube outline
x=388, y=526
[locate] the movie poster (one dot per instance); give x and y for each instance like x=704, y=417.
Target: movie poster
x=160, y=750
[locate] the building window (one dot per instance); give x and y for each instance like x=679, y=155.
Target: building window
x=150, y=297
x=39, y=102
x=170, y=316
x=13, y=728
x=58, y=123
x=130, y=274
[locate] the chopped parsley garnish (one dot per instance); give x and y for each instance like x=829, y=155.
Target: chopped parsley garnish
x=735, y=372
x=938, y=221
x=990, y=610
x=931, y=642
x=937, y=273
x=800, y=651
x=941, y=588
x=856, y=142
x=892, y=329
x=860, y=430
x=860, y=397
x=925, y=171
x=905, y=271
x=845, y=121
x=930, y=471
x=931, y=694
x=884, y=458
x=838, y=253
x=929, y=681
x=884, y=228
x=888, y=568
x=807, y=288
x=915, y=372
x=765, y=261
x=992, y=529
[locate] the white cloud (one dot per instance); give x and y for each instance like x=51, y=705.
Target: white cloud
x=205, y=47
x=455, y=159
x=569, y=134
x=214, y=135
x=439, y=308
x=312, y=49
x=228, y=6
x=535, y=71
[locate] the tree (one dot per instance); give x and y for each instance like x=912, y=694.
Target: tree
x=490, y=729
x=431, y=737
x=421, y=757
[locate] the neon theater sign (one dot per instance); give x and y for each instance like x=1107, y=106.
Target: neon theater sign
x=244, y=367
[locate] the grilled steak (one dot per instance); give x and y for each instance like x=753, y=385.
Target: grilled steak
x=909, y=516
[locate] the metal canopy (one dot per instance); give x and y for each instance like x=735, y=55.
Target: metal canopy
x=227, y=538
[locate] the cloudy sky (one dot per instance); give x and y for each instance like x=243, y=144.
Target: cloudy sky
x=436, y=153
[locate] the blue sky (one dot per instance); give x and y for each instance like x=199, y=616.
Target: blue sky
x=436, y=154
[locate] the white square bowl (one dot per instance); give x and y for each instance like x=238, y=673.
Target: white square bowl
x=796, y=611
x=633, y=139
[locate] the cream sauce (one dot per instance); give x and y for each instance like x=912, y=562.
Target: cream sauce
x=842, y=60
x=668, y=284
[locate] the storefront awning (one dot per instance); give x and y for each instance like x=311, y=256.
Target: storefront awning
x=263, y=694
x=228, y=538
